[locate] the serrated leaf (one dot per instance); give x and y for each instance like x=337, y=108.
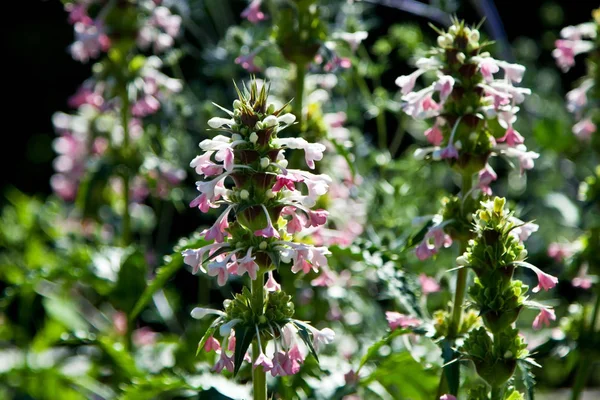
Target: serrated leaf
x=451, y=369
x=162, y=276
x=398, y=288
x=379, y=344
x=243, y=338
x=305, y=336
x=527, y=377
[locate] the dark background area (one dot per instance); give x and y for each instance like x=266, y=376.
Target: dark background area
x=41, y=74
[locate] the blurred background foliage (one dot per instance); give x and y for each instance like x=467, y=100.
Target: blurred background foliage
x=78, y=318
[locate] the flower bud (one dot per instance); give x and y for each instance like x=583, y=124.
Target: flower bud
x=263, y=245
x=270, y=121
x=474, y=35
x=244, y=194
x=461, y=57
x=264, y=162
x=269, y=193
x=237, y=104
x=253, y=138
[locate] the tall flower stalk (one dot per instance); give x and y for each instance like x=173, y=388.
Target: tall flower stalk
x=474, y=109
x=266, y=203
x=493, y=255
x=104, y=134
x=583, y=102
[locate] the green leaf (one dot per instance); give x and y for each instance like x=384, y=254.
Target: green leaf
x=120, y=356
x=304, y=335
x=243, y=338
x=374, y=349
x=130, y=282
x=400, y=287
x=527, y=377
x=451, y=369
x=162, y=276
x=275, y=258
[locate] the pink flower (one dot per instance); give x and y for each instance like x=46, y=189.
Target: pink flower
x=427, y=247
x=225, y=361
x=85, y=95
x=326, y=279
x=545, y=281
x=264, y=361
x=564, y=54
x=247, y=62
x=512, y=137
x=271, y=285
x=447, y=397
x=488, y=67
x=584, y=129
x=449, y=152
x=316, y=218
x=486, y=177
x=218, y=230
x=287, y=181
x=247, y=264
x=582, y=282
x=407, y=82
x=444, y=85
x=560, y=251
x=212, y=344
x=252, y=13
x=269, y=230
x=279, y=360
x=90, y=41
x=297, y=223
x=395, y=320
x=428, y=285
x=544, y=317
x=434, y=135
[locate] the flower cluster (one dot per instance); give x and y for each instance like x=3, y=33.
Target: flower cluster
x=474, y=110
x=125, y=84
x=582, y=101
x=493, y=255
x=269, y=201
x=98, y=24
x=282, y=342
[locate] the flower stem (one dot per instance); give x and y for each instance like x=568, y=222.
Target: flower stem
x=585, y=362
x=461, y=285
x=298, y=101
x=259, y=377
x=126, y=238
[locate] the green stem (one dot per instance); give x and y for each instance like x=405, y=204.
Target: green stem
x=461, y=277
x=461, y=286
x=585, y=363
x=497, y=392
x=259, y=377
x=126, y=238
x=298, y=102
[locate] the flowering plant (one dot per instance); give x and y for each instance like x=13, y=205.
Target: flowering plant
x=268, y=208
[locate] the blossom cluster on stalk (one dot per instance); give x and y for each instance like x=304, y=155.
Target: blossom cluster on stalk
x=299, y=41
x=493, y=255
x=245, y=170
x=473, y=102
x=473, y=107
x=582, y=101
x=122, y=78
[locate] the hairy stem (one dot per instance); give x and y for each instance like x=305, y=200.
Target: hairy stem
x=298, y=101
x=259, y=377
x=461, y=286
